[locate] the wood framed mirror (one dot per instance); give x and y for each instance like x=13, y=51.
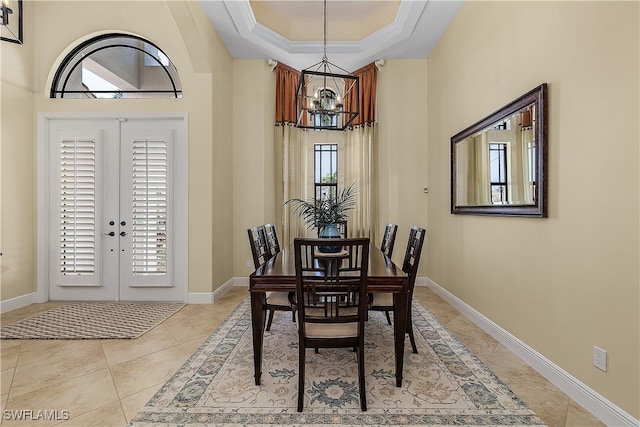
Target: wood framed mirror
x=499, y=164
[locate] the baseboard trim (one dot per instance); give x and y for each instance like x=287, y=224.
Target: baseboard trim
x=192, y=298
x=210, y=297
x=596, y=404
x=18, y=302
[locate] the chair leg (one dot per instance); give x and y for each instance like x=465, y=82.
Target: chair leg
x=301, y=363
x=361, y=378
x=411, y=338
x=270, y=319
x=388, y=317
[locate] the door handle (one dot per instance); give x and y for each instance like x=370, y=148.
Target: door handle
x=111, y=233
x=123, y=233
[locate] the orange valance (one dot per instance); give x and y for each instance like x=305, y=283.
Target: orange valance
x=286, y=85
x=368, y=83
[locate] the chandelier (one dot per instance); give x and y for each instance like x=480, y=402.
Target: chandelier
x=321, y=93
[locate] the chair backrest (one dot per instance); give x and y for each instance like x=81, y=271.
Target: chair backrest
x=412, y=254
x=258, y=243
x=271, y=236
x=388, y=239
x=331, y=287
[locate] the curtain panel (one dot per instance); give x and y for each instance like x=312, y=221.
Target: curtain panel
x=361, y=147
x=295, y=164
x=286, y=84
x=368, y=83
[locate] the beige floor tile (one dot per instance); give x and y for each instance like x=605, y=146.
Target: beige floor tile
x=545, y=399
x=119, y=351
x=577, y=416
x=191, y=346
x=202, y=321
x=134, y=403
x=443, y=311
x=33, y=351
x=9, y=354
x=476, y=340
x=6, y=378
x=75, y=359
x=78, y=396
x=203, y=318
x=135, y=375
x=110, y=415
x=73, y=375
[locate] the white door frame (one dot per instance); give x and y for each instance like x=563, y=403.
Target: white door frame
x=181, y=211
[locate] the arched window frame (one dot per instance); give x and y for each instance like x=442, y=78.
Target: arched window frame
x=83, y=50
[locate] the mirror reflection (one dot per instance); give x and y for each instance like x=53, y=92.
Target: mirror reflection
x=498, y=164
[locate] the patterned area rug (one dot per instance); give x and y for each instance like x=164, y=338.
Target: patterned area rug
x=99, y=320
x=444, y=384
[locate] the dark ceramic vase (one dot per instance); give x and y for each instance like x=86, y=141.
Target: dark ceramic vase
x=330, y=231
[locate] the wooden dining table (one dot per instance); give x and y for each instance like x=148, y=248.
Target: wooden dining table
x=279, y=275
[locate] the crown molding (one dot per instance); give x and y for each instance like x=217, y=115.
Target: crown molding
x=340, y=52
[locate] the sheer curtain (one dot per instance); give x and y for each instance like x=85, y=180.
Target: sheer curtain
x=292, y=151
x=528, y=147
x=479, y=189
x=360, y=152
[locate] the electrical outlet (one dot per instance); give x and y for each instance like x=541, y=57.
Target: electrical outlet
x=249, y=263
x=599, y=358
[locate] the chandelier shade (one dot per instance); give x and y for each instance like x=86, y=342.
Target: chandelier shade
x=327, y=96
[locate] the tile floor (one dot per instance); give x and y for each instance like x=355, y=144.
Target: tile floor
x=105, y=383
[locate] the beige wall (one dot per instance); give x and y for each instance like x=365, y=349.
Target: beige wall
x=402, y=149
x=17, y=167
x=253, y=148
x=571, y=281
x=183, y=31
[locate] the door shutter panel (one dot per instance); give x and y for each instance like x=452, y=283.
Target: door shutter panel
x=150, y=198
x=78, y=207
x=146, y=197
x=76, y=194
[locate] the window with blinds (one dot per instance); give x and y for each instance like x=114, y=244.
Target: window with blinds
x=77, y=207
x=149, y=226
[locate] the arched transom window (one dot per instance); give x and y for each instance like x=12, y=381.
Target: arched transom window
x=116, y=66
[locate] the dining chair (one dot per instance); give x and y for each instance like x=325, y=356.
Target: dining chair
x=264, y=244
x=258, y=244
x=271, y=236
x=388, y=239
x=386, y=246
x=384, y=301
x=331, y=301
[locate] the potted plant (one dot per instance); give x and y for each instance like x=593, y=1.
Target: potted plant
x=326, y=213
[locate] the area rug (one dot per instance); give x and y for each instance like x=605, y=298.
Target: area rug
x=444, y=384
x=99, y=320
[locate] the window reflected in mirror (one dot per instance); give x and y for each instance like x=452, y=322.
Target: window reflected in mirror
x=499, y=163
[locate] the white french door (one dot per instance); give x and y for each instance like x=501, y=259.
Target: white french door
x=112, y=220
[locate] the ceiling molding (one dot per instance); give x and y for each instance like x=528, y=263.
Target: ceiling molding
x=244, y=37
